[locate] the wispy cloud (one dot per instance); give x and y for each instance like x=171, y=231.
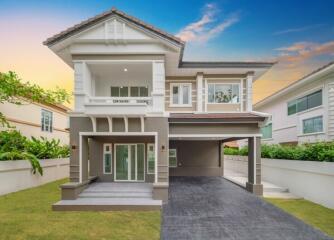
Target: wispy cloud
x=299, y=52
x=299, y=29
x=207, y=27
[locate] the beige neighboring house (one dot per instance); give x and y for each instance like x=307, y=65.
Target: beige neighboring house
x=38, y=120
x=142, y=114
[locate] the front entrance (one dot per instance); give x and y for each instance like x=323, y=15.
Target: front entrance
x=129, y=162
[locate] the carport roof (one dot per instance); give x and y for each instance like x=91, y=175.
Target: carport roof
x=215, y=117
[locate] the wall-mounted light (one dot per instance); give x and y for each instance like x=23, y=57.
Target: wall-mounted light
x=125, y=69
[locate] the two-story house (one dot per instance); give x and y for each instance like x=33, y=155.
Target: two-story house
x=301, y=112
x=142, y=114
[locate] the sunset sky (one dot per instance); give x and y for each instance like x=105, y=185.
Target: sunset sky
x=298, y=34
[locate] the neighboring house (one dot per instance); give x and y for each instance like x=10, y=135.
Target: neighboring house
x=143, y=114
x=38, y=120
x=303, y=111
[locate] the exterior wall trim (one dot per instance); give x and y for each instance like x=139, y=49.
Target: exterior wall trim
x=214, y=135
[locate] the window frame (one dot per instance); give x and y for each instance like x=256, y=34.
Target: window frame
x=147, y=158
x=309, y=93
x=312, y=118
x=173, y=149
x=222, y=83
x=180, y=95
x=111, y=158
x=50, y=125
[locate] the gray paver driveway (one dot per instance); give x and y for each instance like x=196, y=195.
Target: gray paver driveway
x=214, y=208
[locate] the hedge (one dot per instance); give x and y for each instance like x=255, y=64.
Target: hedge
x=321, y=151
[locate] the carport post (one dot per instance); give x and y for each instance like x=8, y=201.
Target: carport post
x=254, y=166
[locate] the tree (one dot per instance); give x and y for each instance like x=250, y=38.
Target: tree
x=13, y=90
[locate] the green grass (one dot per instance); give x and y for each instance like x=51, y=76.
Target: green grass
x=313, y=214
x=27, y=215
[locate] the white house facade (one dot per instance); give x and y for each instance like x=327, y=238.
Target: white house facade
x=303, y=112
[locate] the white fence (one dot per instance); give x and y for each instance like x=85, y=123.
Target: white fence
x=17, y=175
x=311, y=180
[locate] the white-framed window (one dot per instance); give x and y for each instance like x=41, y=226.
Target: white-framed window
x=107, y=158
x=133, y=91
x=223, y=93
x=46, y=121
x=267, y=131
x=180, y=94
x=150, y=158
x=172, y=156
x=304, y=103
x=313, y=125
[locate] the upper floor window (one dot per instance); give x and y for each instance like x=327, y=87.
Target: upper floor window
x=223, y=93
x=313, y=125
x=267, y=131
x=181, y=94
x=46, y=121
x=129, y=91
x=301, y=104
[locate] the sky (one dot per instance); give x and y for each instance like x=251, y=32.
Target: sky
x=297, y=34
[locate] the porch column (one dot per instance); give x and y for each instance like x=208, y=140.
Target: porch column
x=83, y=159
x=254, y=166
x=249, y=92
x=199, y=100
x=158, y=91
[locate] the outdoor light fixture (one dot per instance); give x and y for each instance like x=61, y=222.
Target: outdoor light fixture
x=125, y=69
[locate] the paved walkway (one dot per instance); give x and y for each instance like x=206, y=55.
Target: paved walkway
x=214, y=208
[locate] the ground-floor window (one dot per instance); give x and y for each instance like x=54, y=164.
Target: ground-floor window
x=313, y=125
x=150, y=158
x=172, y=157
x=107, y=159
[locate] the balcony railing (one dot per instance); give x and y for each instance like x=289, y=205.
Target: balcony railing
x=121, y=100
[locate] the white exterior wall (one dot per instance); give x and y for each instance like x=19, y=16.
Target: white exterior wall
x=310, y=180
x=27, y=119
x=289, y=128
x=17, y=175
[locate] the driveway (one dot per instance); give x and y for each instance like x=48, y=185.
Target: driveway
x=214, y=208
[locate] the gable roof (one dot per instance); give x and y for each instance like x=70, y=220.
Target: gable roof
x=101, y=17
x=305, y=79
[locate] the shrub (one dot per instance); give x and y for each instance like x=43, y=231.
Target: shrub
x=15, y=146
x=321, y=151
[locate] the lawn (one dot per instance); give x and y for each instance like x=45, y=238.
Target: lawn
x=313, y=214
x=27, y=215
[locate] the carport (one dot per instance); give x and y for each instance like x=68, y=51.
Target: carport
x=198, y=140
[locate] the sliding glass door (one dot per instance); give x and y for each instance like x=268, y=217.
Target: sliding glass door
x=129, y=162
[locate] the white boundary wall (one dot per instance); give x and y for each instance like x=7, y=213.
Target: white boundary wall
x=311, y=180
x=17, y=175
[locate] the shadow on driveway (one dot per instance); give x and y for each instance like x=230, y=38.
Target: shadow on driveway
x=214, y=208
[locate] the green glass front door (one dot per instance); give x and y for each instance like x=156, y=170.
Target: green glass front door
x=129, y=162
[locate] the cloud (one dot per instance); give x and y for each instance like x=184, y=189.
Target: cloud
x=299, y=52
x=300, y=29
x=206, y=28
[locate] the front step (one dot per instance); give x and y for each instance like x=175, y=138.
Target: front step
x=114, y=194
x=108, y=204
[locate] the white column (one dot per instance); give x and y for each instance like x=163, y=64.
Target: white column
x=126, y=124
x=110, y=123
x=158, y=91
x=156, y=159
x=249, y=97
x=199, y=81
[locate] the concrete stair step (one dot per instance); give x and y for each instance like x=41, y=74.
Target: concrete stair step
x=107, y=204
x=276, y=189
x=94, y=190
x=115, y=195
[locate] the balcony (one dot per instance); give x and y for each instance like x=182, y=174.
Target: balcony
x=113, y=87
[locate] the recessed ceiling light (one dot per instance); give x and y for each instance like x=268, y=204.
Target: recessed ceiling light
x=125, y=69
